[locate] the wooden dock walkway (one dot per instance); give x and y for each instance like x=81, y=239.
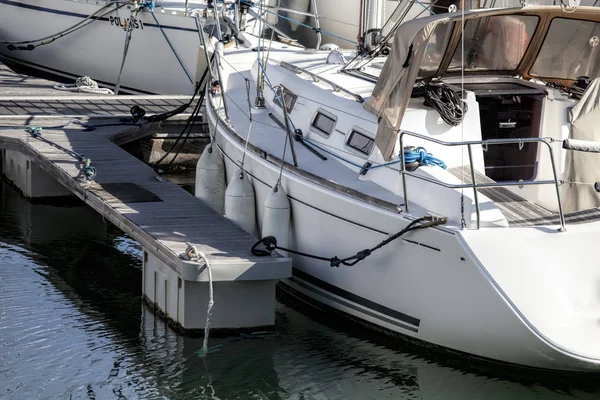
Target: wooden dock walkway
x=157, y=213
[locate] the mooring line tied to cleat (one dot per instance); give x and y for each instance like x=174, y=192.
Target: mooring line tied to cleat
x=270, y=244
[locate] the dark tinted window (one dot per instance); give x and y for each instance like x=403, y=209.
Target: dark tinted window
x=570, y=50
x=323, y=123
x=360, y=142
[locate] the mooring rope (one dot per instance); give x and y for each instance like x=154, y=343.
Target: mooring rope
x=128, y=35
x=270, y=244
x=194, y=255
x=87, y=172
x=189, y=124
x=211, y=302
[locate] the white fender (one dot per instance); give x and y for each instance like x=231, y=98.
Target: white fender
x=240, y=204
x=276, y=217
x=210, y=179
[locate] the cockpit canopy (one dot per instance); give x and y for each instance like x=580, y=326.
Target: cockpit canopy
x=496, y=44
x=544, y=42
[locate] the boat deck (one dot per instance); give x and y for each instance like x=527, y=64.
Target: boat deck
x=157, y=213
x=519, y=211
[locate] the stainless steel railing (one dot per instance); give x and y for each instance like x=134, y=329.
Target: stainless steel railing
x=317, y=78
x=474, y=185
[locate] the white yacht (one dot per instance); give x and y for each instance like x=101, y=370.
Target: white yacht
x=487, y=152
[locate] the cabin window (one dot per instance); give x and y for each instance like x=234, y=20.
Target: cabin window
x=435, y=50
x=494, y=43
x=323, y=123
x=360, y=142
x=570, y=50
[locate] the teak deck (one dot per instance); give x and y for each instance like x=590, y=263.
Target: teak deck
x=157, y=213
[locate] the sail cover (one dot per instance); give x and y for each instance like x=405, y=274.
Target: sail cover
x=581, y=168
x=390, y=97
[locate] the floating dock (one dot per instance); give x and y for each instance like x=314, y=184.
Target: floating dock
x=159, y=214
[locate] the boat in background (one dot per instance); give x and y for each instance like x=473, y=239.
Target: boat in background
x=140, y=47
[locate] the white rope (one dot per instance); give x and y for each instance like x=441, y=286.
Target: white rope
x=211, y=303
x=193, y=254
x=83, y=84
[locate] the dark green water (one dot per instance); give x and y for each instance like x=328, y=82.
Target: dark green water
x=73, y=326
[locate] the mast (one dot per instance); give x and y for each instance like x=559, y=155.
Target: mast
x=374, y=17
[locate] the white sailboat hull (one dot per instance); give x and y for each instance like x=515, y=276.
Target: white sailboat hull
x=96, y=50
x=429, y=285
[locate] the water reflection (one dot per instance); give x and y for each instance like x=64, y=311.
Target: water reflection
x=72, y=326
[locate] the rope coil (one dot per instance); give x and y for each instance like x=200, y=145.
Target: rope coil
x=422, y=157
x=83, y=84
x=446, y=101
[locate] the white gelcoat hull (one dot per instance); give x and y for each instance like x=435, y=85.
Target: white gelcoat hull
x=97, y=49
x=433, y=288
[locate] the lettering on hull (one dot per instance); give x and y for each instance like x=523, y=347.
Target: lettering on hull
x=124, y=22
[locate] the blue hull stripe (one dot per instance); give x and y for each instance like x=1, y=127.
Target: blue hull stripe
x=355, y=298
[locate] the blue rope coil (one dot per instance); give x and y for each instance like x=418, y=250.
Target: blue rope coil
x=420, y=155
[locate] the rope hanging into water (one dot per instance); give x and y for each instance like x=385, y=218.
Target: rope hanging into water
x=193, y=254
x=270, y=244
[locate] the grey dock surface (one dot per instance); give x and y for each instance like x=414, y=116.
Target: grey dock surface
x=157, y=213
